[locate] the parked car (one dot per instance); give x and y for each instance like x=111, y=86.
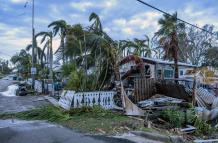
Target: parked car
x=23, y=89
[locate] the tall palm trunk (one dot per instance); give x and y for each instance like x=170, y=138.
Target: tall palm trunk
x=63, y=48
x=176, y=68
x=175, y=46
x=51, y=58
x=48, y=55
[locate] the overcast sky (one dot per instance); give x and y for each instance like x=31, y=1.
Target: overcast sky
x=122, y=19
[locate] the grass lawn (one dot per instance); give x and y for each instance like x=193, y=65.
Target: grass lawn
x=89, y=120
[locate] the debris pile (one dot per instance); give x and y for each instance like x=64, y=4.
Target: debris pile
x=178, y=115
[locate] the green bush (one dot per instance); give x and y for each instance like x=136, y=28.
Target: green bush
x=79, y=81
x=202, y=127
x=68, y=68
x=174, y=116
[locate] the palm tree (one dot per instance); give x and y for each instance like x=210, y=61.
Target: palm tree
x=49, y=47
x=139, y=47
x=102, y=47
x=147, y=50
x=96, y=26
x=74, y=42
x=168, y=38
x=22, y=60
x=60, y=27
x=39, y=53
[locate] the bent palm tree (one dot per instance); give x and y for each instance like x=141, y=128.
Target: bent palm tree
x=102, y=47
x=48, y=45
x=74, y=38
x=39, y=53
x=96, y=26
x=60, y=26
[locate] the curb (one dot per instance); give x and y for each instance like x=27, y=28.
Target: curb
x=159, y=137
x=52, y=100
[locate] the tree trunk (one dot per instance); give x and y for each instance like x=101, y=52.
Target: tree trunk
x=175, y=47
x=176, y=74
x=51, y=58
x=63, y=48
x=194, y=90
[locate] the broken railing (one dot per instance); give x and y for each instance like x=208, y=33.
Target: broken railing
x=176, y=88
x=145, y=88
x=71, y=99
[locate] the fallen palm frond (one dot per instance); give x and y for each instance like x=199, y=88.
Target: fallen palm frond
x=48, y=112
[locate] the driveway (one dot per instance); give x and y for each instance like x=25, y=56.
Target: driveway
x=20, y=103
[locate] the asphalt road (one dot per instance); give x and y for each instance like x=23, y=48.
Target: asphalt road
x=16, y=104
x=42, y=132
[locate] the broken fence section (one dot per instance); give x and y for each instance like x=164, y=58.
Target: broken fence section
x=70, y=99
x=144, y=88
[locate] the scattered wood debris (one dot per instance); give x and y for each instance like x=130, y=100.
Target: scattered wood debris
x=189, y=129
x=206, y=141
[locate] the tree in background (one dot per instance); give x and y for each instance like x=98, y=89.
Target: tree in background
x=4, y=66
x=211, y=57
x=22, y=62
x=197, y=44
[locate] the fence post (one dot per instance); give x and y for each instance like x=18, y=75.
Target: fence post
x=194, y=90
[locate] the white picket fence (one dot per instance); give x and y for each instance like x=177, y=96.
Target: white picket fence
x=38, y=86
x=70, y=99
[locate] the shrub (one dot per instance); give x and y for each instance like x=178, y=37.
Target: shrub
x=79, y=81
x=174, y=116
x=202, y=127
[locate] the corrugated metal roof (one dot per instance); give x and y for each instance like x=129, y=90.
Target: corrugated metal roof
x=160, y=61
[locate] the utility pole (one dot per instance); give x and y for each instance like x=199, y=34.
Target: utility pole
x=33, y=69
x=86, y=74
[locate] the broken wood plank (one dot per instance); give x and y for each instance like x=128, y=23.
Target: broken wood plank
x=206, y=141
x=189, y=129
x=160, y=108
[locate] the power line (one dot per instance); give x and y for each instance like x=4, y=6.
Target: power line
x=151, y=6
